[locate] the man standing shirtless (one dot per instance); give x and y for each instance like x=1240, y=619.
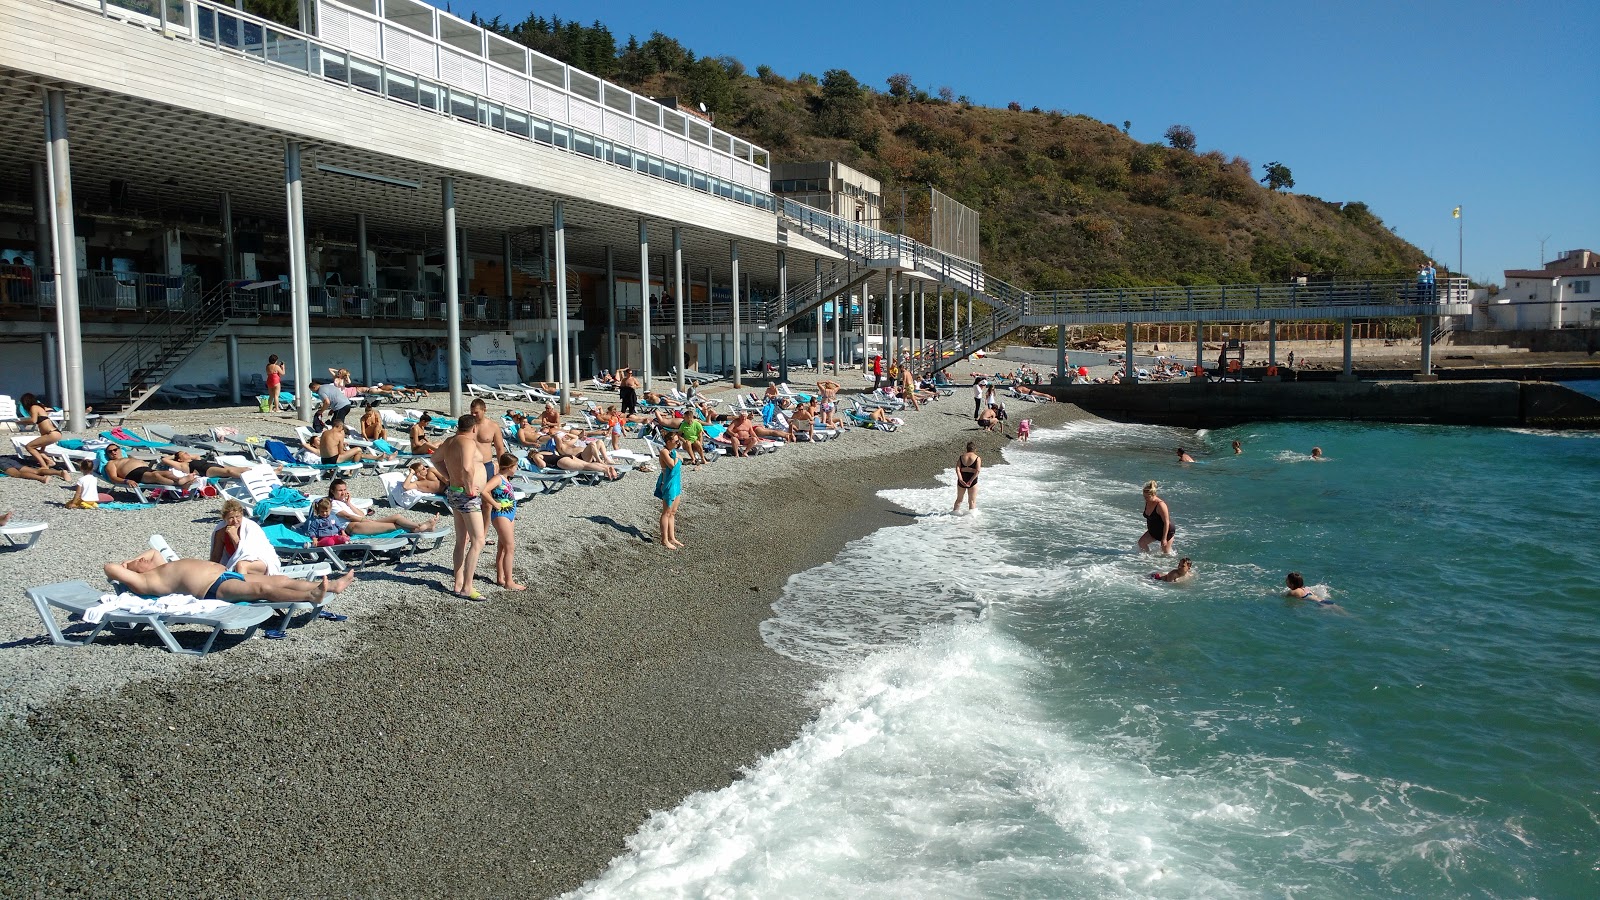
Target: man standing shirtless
x=150, y=575
x=459, y=460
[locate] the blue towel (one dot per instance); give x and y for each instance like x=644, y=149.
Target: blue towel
x=280, y=496
x=382, y=446
x=125, y=506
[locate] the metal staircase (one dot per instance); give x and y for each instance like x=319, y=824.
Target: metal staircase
x=139, y=368
x=800, y=301
x=1001, y=321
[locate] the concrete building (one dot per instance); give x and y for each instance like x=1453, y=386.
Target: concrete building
x=831, y=187
x=1563, y=294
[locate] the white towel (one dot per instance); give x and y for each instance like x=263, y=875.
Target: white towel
x=253, y=546
x=170, y=605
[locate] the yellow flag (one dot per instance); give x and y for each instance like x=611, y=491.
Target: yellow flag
x=1455, y=213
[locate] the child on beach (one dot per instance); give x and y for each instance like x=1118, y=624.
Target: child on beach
x=502, y=500
x=1024, y=428
x=1183, y=572
x=669, y=487
x=322, y=527
x=87, y=493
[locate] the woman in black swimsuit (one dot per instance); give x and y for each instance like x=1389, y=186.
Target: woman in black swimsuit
x=1157, y=521
x=968, y=465
x=38, y=415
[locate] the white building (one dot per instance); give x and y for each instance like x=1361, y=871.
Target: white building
x=1560, y=295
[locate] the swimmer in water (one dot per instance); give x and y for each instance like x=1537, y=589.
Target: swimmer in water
x=1183, y=456
x=1238, y=448
x=1297, y=589
x=1183, y=572
x=1316, y=454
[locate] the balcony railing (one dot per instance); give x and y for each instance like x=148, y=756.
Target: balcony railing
x=416, y=69
x=1247, y=298
x=27, y=292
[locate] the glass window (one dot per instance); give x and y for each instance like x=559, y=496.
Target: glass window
x=497, y=117
x=365, y=75
x=741, y=149
x=699, y=132
x=512, y=56
x=618, y=99
x=759, y=157
x=622, y=156
x=583, y=143
x=672, y=121
x=464, y=106
x=517, y=123
x=700, y=182
x=335, y=67
x=641, y=163
x=547, y=70
x=669, y=171
x=429, y=95
x=541, y=132
x=655, y=167
x=648, y=110
x=562, y=135
x=584, y=85
x=402, y=87
x=721, y=141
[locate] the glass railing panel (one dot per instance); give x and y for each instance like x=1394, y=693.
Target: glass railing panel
x=335, y=66
x=401, y=87
x=206, y=22
x=518, y=123
x=547, y=70
x=429, y=95
x=365, y=75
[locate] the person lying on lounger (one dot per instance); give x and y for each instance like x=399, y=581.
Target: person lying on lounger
x=526, y=434
x=655, y=399
x=420, y=444
x=15, y=467
x=878, y=416
x=184, y=461
x=353, y=521
x=575, y=456
x=128, y=470
x=331, y=448
x=1025, y=391
x=423, y=478
x=148, y=574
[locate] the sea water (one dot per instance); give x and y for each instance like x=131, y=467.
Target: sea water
x=1014, y=708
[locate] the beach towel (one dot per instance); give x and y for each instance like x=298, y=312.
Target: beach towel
x=122, y=507
x=170, y=605
x=383, y=446
x=281, y=496
x=253, y=547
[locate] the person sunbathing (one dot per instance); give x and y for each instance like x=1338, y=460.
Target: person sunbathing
x=128, y=470
x=184, y=461
x=423, y=478
x=526, y=434
x=575, y=456
x=152, y=576
x=880, y=416
x=803, y=422
x=15, y=467
x=420, y=445
x=741, y=433
x=331, y=448
x=38, y=415
x=655, y=399
x=372, y=425
x=551, y=417
x=352, y=520
x=554, y=390
x=1025, y=391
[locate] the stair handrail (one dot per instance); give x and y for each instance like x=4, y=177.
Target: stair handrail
x=154, y=340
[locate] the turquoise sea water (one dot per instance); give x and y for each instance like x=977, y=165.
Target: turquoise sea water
x=1016, y=709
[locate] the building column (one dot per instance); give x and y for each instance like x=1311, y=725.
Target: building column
x=43, y=259
x=938, y=305
x=1200, y=346
x=738, y=356
x=361, y=254
x=1272, y=342
x=230, y=257
x=1061, y=354
x=1132, y=377
x=563, y=357
x=866, y=323
x=611, y=309
x=783, y=332
x=644, y=298
x=50, y=350
x=1349, y=371
x=891, y=322
x=233, y=370
x=452, y=296
x=66, y=259
x=1425, y=325
x=366, y=359
x=299, y=288
x=840, y=305
x=677, y=299
x=508, y=286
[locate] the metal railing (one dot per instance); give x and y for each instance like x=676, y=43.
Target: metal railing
x=171, y=332
x=492, y=102
x=1247, y=298
x=27, y=287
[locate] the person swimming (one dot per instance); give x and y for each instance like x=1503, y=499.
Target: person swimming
x=1238, y=448
x=1183, y=456
x=1316, y=454
x=1183, y=572
x=1297, y=590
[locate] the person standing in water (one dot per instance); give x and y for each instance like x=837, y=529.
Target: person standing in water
x=968, y=465
x=1183, y=456
x=1238, y=448
x=1158, y=521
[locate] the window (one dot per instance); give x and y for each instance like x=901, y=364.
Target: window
x=1580, y=287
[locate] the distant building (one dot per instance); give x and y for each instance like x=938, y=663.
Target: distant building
x=1560, y=295
x=832, y=187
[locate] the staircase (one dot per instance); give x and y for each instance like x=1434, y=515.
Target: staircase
x=800, y=301
x=1000, y=322
x=138, y=369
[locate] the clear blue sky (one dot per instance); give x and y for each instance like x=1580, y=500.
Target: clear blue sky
x=1414, y=108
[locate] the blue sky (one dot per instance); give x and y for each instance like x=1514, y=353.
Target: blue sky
x=1414, y=108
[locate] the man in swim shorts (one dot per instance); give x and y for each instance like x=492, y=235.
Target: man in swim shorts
x=152, y=576
x=459, y=461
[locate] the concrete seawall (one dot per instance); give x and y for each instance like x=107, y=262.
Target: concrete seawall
x=1505, y=404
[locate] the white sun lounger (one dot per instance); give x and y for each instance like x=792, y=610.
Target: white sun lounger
x=77, y=597
x=22, y=535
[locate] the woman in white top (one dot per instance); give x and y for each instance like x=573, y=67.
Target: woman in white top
x=356, y=522
x=241, y=546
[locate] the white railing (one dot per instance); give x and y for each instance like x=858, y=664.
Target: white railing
x=400, y=64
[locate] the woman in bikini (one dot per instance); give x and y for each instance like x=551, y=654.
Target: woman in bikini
x=275, y=371
x=38, y=415
x=968, y=466
x=1158, y=521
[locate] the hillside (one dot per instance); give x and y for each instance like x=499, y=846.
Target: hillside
x=1066, y=200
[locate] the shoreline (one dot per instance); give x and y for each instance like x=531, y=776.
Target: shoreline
x=511, y=746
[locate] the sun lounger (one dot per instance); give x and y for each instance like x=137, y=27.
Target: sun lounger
x=354, y=555
x=395, y=492
x=256, y=489
x=288, y=609
x=77, y=597
x=281, y=452
x=484, y=391
x=22, y=535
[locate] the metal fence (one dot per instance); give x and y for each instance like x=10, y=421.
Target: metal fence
x=1246, y=298
x=953, y=226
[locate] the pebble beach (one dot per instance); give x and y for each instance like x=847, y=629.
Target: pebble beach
x=431, y=747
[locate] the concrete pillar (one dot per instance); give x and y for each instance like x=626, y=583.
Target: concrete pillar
x=891, y=321
x=1200, y=346
x=299, y=288
x=366, y=359
x=452, y=296
x=43, y=259
x=1061, y=354
x=233, y=370
x=738, y=360
x=611, y=308
x=938, y=305
x=66, y=256
x=841, y=306
x=564, y=373
x=644, y=298
x=783, y=333
x=1130, y=375
x=677, y=299
x=230, y=256
x=508, y=286
x=1425, y=325
x=1349, y=372
x=1272, y=342
x=52, y=371
x=866, y=323
x=820, y=322
x=361, y=254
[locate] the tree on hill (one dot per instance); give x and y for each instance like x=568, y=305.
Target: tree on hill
x=841, y=105
x=1278, y=177
x=900, y=85
x=1181, y=137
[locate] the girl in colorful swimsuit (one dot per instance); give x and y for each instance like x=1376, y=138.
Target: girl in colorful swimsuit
x=502, y=500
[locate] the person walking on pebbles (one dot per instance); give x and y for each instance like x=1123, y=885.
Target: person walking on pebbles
x=968, y=465
x=1158, y=521
x=669, y=487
